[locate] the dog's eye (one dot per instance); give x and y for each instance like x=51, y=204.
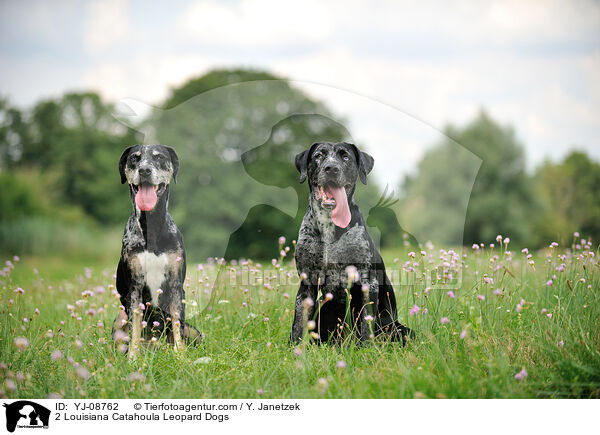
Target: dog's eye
x=159, y=156
x=318, y=155
x=345, y=157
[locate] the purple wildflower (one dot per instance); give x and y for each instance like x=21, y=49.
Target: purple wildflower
x=521, y=375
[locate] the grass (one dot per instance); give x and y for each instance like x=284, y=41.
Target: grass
x=41, y=236
x=554, y=335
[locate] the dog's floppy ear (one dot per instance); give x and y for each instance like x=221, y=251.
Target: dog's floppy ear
x=174, y=162
x=302, y=160
x=123, y=162
x=365, y=163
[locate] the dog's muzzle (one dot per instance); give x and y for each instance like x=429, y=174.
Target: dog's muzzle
x=332, y=196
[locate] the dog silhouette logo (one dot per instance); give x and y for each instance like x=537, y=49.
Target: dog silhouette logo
x=26, y=414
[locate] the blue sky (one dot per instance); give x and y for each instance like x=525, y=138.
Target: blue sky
x=534, y=65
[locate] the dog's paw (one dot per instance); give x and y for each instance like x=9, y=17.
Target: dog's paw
x=191, y=335
x=133, y=353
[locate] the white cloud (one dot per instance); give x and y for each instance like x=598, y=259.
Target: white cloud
x=34, y=79
x=145, y=77
x=107, y=25
x=542, y=20
x=39, y=22
x=255, y=22
x=422, y=24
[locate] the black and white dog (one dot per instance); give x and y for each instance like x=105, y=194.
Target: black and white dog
x=334, y=243
x=151, y=270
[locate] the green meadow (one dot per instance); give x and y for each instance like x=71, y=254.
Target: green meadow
x=490, y=322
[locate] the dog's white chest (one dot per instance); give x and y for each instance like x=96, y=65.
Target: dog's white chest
x=154, y=270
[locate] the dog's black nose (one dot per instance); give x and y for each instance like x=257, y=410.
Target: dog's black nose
x=144, y=172
x=332, y=169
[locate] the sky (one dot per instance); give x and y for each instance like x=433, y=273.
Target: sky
x=398, y=71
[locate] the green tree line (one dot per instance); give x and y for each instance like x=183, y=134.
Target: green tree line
x=551, y=204
x=236, y=132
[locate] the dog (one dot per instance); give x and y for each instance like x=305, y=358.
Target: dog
x=335, y=253
x=152, y=266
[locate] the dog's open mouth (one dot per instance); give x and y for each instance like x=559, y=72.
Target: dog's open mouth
x=146, y=195
x=333, y=197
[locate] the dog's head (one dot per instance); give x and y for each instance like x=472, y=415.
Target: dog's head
x=332, y=170
x=148, y=170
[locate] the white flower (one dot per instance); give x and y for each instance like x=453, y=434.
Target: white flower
x=352, y=273
x=21, y=343
x=135, y=376
x=83, y=373
x=56, y=355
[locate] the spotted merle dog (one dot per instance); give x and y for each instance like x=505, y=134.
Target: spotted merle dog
x=151, y=270
x=336, y=255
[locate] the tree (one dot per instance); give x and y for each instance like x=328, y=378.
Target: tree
x=13, y=134
x=75, y=142
x=571, y=195
x=501, y=199
x=237, y=132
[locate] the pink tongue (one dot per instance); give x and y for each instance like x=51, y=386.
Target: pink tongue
x=341, y=213
x=146, y=198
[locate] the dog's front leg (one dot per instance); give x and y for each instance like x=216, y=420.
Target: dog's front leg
x=176, y=310
x=304, y=310
x=136, y=321
x=370, y=292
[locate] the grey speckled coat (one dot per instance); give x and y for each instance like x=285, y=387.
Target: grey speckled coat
x=325, y=253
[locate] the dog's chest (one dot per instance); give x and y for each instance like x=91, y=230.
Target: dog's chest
x=351, y=248
x=153, y=270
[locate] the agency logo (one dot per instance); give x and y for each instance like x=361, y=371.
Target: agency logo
x=26, y=414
